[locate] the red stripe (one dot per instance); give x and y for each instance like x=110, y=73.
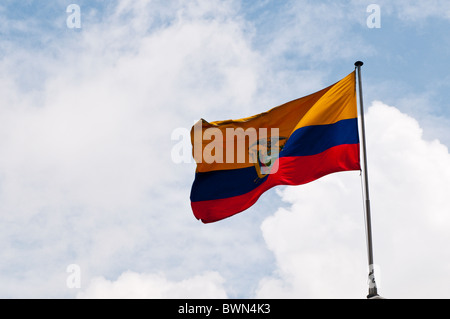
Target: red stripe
x=292, y=171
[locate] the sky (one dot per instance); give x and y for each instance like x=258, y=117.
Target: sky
x=92, y=204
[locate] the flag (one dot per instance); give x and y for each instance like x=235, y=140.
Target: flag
x=292, y=144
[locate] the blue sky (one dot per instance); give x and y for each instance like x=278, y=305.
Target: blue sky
x=87, y=178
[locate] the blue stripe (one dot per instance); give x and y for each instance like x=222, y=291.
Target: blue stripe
x=305, y=141
x=224, y=184
x=312, y=140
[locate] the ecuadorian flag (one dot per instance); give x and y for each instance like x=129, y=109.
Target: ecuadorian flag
x=292, y=144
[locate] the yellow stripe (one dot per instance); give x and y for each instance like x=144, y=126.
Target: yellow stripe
x=338, y=103
x=328, y=106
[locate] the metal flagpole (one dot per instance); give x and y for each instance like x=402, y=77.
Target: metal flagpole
x=372, y=284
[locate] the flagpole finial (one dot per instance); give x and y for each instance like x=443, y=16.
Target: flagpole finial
x=359, y=63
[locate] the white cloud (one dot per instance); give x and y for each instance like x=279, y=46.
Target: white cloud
x=300, y=36
x=131, y=285
x=410, y=11
x=420, y=10
x=86, y=175
x=319, y=240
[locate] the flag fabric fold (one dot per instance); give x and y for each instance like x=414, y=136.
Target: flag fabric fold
x=292, y=144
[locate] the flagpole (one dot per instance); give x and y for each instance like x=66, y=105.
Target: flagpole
x=372, y=284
